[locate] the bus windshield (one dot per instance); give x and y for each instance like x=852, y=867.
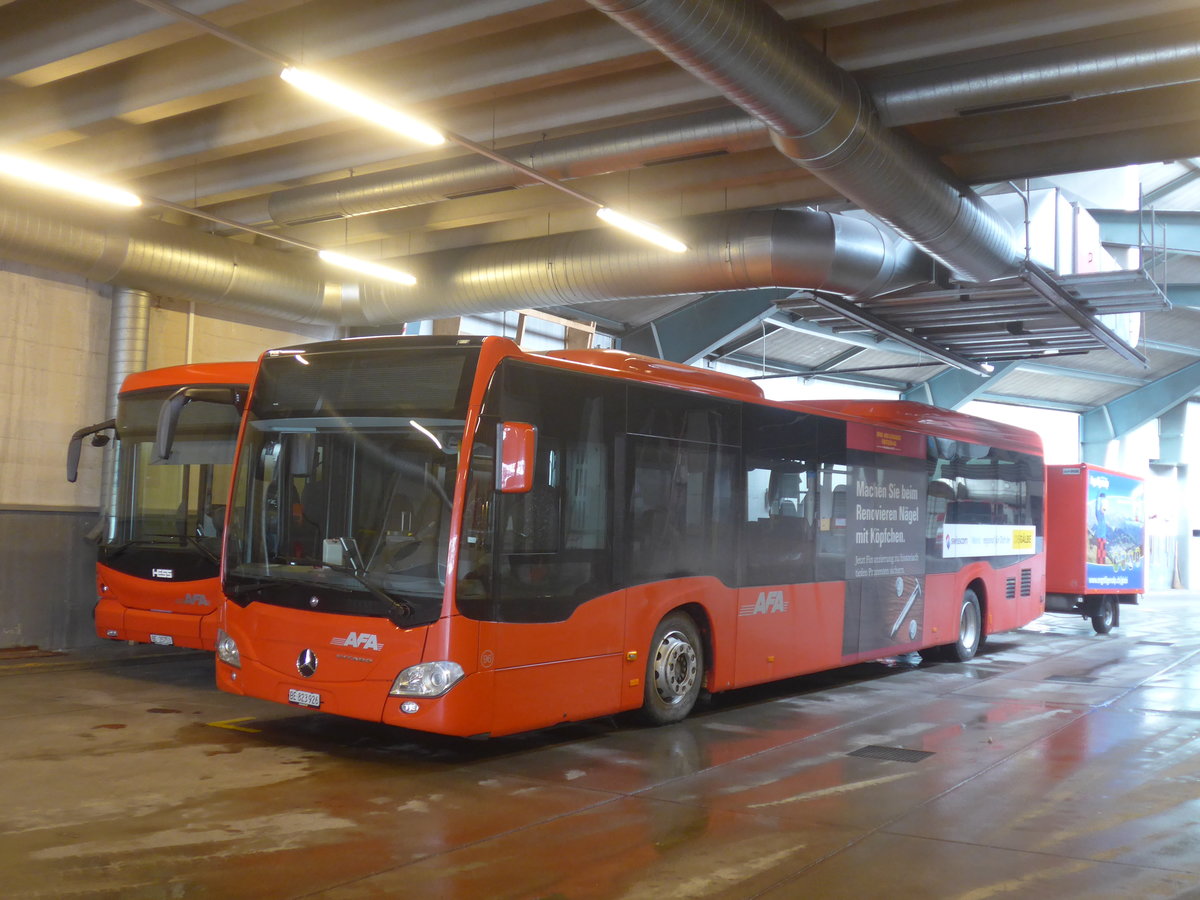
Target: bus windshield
x=179, y=500
x=344, y=486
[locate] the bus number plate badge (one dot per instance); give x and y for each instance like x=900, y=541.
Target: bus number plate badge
x=311, y=699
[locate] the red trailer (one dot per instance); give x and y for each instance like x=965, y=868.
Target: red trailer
x=1095, y=542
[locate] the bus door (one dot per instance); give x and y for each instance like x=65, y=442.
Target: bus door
x=535, y=564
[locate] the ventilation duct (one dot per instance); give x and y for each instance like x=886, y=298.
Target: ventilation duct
x=130, y=250
x=596, y=153
x=822, y=119
x=729, y=251
x=1113, y=65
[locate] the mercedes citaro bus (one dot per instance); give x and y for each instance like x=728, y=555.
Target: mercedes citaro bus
x=453, y=535
x=158, y=566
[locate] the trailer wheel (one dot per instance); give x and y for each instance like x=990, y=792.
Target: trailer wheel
x=674, y=670
x=1106, y=615
x=970, y=629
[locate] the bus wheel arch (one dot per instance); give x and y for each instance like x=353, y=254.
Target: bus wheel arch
x=677, y=663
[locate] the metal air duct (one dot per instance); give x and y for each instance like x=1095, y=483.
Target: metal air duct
x=728, y=252
x=1113, y=65
x=595, y=153
x=130, y=250
x=129, y=334
x=822, y=119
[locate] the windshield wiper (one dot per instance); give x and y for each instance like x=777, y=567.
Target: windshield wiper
x=355, y=570
x=199, y=544
x=236, y=590
x=361, y=579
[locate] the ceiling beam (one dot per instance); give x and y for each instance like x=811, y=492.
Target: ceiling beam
x=1040, y=368
x=784, y=369
x=691, y=332
x=1173, y=229
x=1150, y=198
x=1133, y=410
x=954, y=388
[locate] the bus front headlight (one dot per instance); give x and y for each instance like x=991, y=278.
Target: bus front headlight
x=429, y=679
x=227, y=650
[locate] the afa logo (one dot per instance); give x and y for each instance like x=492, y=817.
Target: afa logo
x=767, y=602
x=363, y=641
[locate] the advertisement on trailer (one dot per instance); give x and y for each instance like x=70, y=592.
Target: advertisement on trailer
x=1116, y=531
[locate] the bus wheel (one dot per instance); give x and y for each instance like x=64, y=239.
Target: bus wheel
x=674, y=671
x=970, y=629
x=1106, y=615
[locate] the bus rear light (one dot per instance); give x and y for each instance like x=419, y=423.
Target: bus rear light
x=430, y=679
x=227, y=650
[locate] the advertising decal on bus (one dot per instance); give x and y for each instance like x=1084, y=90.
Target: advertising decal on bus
x=885, y=563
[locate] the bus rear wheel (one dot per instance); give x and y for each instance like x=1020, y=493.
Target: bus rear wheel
x=970, y=629
x=674, y=670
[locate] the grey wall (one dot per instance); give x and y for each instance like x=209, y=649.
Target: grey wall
x=47, y=579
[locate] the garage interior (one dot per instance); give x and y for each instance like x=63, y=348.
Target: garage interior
x=949, y=201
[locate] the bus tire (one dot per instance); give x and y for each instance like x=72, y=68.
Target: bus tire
x=674, y=670
x=1105, y=616
x=970, y=629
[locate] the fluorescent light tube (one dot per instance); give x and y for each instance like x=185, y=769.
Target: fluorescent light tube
x=353, y=102
x=644, y=230
x=57, y=179
x=375, y=270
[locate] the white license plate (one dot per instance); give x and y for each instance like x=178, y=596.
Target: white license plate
x=304, y=698
x=164, y=639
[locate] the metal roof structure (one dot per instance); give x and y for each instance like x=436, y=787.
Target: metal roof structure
x=920, y=112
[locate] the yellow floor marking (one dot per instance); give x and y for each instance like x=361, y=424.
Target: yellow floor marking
x=230, y=724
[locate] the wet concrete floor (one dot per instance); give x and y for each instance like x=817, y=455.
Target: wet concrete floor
x=1058, y=764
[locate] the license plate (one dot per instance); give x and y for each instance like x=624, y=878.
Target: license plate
x=310, y=699
x=164, y=639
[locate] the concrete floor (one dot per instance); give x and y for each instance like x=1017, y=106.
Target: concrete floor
x=1061, y=764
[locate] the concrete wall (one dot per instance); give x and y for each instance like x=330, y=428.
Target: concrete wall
x=54, y=333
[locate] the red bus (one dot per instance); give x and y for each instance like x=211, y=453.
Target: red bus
x=158, y=565
x=453, y=535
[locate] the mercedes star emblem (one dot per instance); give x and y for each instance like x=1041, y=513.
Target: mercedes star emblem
x=306, y=663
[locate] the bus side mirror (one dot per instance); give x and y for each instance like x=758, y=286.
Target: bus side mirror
x=168, y=414
x=514, y=464
x=76, y=445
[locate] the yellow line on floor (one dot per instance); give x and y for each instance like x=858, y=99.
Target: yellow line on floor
x=232, y=726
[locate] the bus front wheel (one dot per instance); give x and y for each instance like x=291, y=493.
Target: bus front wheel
x=970, y=629
x=674, y=670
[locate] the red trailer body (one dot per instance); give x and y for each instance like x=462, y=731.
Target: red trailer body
x=1095, y=542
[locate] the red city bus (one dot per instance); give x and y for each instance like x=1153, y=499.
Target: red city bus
x=452, y=535
x=158, y=566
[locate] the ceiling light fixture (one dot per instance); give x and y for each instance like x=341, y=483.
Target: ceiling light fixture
x=372, y=110
x=375, y=270
x=360, y=105
x=57, y=179
x=387, y=273
x=644, y=230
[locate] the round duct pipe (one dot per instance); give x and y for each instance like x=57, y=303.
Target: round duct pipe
x=823, y=120
x=727, y=252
